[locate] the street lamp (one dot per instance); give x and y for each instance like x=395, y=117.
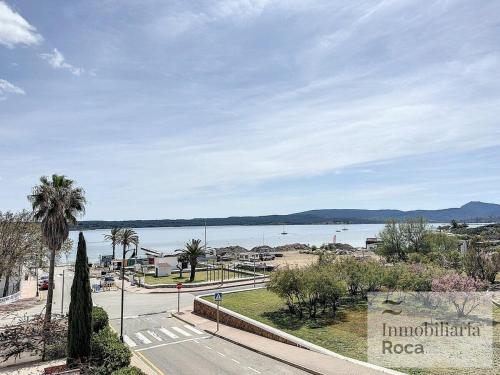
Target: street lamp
x=123, y=294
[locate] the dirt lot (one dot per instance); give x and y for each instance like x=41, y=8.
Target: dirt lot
x=294, y=259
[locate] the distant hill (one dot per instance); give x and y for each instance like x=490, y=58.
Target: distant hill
x=470, y=212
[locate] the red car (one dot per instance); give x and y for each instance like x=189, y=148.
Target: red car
x=44, y=285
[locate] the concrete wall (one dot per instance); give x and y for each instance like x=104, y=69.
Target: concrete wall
x=209, y=312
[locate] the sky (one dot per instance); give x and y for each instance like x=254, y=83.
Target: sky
x=181, y=109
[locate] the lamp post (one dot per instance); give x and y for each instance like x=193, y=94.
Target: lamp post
x=254, y=272
x=123, y=287
x=62, y=294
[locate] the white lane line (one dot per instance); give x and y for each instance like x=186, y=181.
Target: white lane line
x=192, y=329
x=143, y=338
x=208, y=347
x=168, y=333
x=221, y=354
x=235, y=361
x=169, y=343
x=129, y=341
x=181, y=331
x=155, y=335
x=196, y=341
x=251, y=368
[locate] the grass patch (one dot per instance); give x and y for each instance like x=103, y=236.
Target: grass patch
x=345, y=335
x=201, y=276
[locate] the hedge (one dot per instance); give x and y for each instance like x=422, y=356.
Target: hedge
x=108, y=353
x=132, y=370
x=100, y=319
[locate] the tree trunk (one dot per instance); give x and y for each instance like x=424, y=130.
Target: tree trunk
x=113, y=250
x=6, y=285
x=50, y=291
x=193, y=272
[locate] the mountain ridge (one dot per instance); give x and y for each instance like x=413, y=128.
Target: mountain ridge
x=474, y=211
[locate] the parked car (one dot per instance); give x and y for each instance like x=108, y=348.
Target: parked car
x=44, y=284
x=108, y=281
x=42, y=280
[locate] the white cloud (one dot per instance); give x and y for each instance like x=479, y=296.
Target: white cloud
x=14, y=29
x=57, y=61
x=7, y=88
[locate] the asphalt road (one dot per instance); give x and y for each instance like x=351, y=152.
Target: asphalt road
x=172, y=347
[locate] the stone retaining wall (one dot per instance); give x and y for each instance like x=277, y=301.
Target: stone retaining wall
x=207, y=311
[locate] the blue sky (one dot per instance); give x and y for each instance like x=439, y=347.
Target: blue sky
x=178, y=109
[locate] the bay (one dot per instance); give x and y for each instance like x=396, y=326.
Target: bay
x=168, y=239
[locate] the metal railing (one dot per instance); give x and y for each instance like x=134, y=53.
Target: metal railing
x=9, y=299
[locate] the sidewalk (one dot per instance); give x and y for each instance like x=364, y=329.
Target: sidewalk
x=140, y=290
x=307, y=360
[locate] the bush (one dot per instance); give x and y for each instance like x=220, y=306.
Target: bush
x=309, y=289
x=132, y=370
x=108, y=353
x=100, y=319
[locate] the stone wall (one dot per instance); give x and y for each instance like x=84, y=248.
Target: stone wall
x=209, y=312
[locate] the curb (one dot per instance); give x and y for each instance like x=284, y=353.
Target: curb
x=253, y=349
x=212, y=287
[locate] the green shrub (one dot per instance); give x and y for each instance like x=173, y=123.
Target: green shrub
x=100, y=319
x=108, y=353
x=55, y=350
x=132, y=370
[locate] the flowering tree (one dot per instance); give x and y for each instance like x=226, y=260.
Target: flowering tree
x=460, y=291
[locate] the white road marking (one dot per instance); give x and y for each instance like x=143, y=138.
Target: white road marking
x=181, y=331
x=251, y=368
x=192, y=329
x=196, y=341
x=168, y=333
x=143, y=338
x=155, y=335
x=129, y=341
x=235, y=361
x=221, y=354
x=208, y=347
x=170, y=343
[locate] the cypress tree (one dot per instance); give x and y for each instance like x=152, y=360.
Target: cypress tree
x=80, y=309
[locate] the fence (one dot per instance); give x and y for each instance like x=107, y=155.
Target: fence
x=9, y=299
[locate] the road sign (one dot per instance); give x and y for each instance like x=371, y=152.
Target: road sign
x=179, y=286
x=218, y=296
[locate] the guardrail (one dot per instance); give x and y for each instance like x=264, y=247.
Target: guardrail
x=10, y=299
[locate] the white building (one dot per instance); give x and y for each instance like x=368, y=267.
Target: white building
x=162, y=267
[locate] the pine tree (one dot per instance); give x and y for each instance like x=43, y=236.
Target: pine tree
x=80, y=309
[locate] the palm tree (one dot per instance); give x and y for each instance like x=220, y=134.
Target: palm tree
x=192, y=252
x=126, y=238
x=56, y=203
x=113, y=237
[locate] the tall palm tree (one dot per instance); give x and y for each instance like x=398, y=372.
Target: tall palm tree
x=56, y=203
x=113, y=238
x=192, y=252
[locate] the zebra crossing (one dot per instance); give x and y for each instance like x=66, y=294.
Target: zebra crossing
x=158, y=335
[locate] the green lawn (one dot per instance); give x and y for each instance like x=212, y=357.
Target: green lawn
x=201, y=276
x=346, y=335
